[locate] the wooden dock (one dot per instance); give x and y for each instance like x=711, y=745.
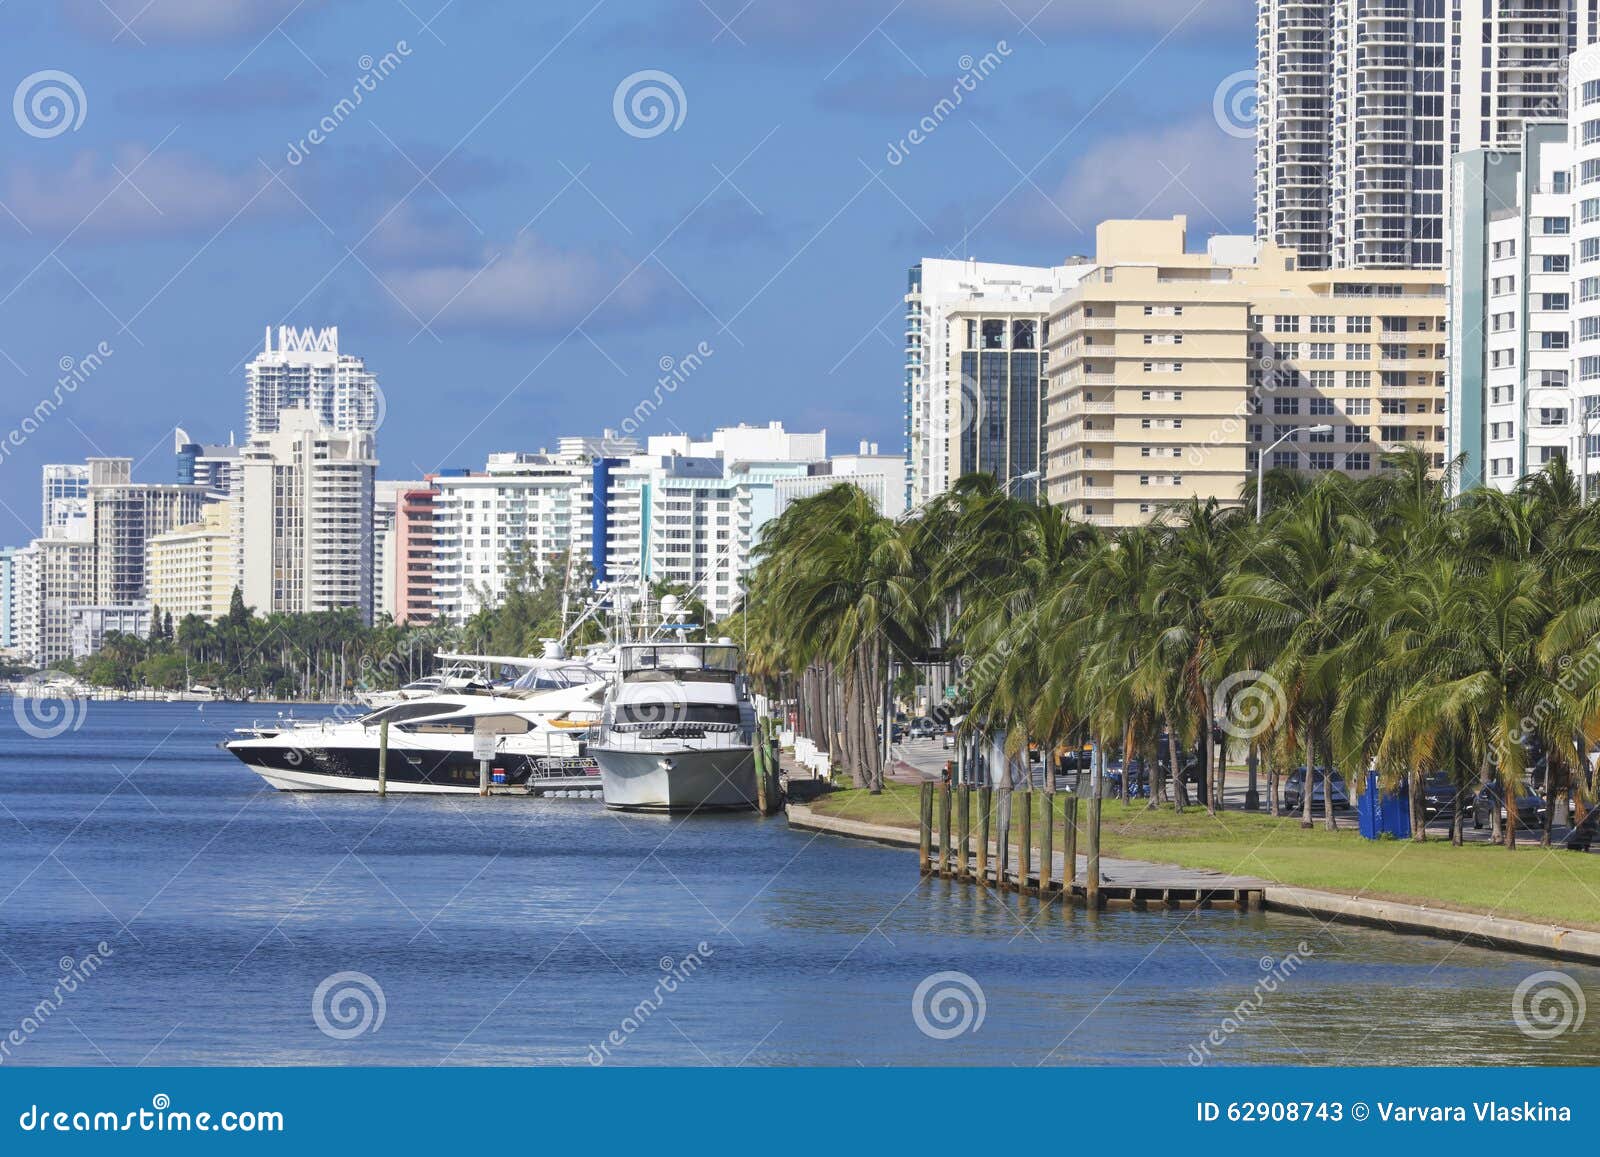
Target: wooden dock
x=1030, y=866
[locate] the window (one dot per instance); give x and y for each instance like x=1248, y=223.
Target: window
x=1555, y=416
x=1285, y=405
x=1589, y=132
x=1554, y=301
x=1320, y=406
x=1285, y=460
x=1319, y=460
x=1321, y=323
x=1357, y=407
x=1356, y=433
x=1320, y=436
x=1392, y=405
x=1503, y=249
x=1558, y=226
x=1321, y=380
x=1588, y=210
x=1358, y=324
x=1554, y=340
x=1287, y=323
x=1554, y=263
x=1392, y=433
x=1591, y=92
x=1588, y=328
x=1588, y=249
x=1589, y=172
x=1358, y=351
x=1358, y=379
x=1358, y=462
x=1589, y=288
x=1588, y=369
x=1499, y=286
x=1322, y=351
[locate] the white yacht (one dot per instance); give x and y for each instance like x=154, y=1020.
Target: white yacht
x=453, y=677
x=542, y=723
x=677, y=729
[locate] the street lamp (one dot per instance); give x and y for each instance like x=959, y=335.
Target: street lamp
x=1261, y=463
x=1030, y=476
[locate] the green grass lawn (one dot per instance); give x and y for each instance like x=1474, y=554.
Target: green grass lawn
x=1532, y=883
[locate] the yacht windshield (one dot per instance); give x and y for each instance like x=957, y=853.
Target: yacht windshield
x=676, y=659
x=551, y=678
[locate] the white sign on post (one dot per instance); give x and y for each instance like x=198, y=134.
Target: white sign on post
x=484, y=745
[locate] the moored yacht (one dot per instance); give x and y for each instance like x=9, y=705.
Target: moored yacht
x=542, y=726
x=677, y=730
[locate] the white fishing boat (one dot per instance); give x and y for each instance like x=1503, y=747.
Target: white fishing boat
x=677, y=730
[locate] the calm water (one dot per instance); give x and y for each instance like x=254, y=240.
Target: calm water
x=519, y=932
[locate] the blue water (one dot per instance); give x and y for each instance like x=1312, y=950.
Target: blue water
x=513, y=931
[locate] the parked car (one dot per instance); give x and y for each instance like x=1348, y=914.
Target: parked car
x=1329, y=783
x=923, y=729
x=1491, y=799
x=1438, y=797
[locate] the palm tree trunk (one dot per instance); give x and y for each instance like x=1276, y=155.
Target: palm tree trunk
x=1179, y=793
x=1308, y=782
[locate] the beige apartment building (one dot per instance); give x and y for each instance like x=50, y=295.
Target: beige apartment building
x=191, y=569
x=1170, y=373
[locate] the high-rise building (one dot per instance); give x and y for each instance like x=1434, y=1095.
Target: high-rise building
x=415, y=598
x=199, y=464
x=1511, y=308
x=1172, y=372
x=974, y=370
x=66, y=495
x=303, y=518
x=8, y=597
x=387, y=498
x=1525, y=297
x=1363, y=102
x=881, y=476
x=305, y=370
x=191, y=570
x=126, y=515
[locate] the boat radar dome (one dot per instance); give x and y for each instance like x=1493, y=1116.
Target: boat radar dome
x=669, y=606
x=554, y=650
x=724, y=641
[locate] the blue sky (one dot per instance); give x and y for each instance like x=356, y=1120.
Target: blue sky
x=510, y=260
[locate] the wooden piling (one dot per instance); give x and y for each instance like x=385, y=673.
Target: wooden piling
x=1025, y=844
x=1069, y=847
x=925, y=827
x=383, y=759
x=985, y=803
x=1091, y=874
x=1002, y=868
x=758, y=753
x=944, y=831
x=964, y=823
x=1047, y=849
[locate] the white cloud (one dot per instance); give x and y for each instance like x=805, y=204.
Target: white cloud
x=528, y=286
x=135, y=193
x=1193, y=168
x=131, y=21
